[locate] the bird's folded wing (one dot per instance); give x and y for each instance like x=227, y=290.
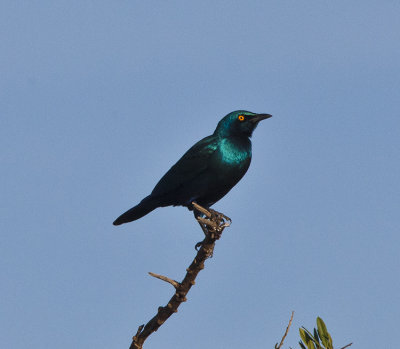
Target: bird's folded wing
x=194, y=162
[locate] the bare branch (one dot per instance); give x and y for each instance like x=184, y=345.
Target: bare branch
x=212, y=228
x=346, y=346
x=286, y=332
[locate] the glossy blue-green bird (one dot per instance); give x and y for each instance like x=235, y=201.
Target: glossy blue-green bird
x=207, y=171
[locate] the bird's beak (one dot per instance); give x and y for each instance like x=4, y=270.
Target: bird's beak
x=258, y=117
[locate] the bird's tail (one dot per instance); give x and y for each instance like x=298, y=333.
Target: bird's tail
x=147, y=205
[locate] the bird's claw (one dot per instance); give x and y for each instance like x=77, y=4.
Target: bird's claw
x=225, y=221
x=212, y=222
x=198, y=245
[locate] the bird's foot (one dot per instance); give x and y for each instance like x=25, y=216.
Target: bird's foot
x=220, y=217
x=211, y=222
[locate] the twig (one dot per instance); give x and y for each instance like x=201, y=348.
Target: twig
x=346, y=346
x=164, y=278
x=286, y=332
x=212, y=227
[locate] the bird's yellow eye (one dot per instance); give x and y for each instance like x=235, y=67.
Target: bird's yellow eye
x=241, y=118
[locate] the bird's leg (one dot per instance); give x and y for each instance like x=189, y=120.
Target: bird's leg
x=197, y=215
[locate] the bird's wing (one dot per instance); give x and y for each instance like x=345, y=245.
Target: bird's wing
x=189, y=166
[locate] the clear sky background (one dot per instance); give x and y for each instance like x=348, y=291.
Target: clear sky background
x=99, y=98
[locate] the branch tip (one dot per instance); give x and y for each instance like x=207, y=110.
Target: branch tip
x=286, y=332
x=174, y=283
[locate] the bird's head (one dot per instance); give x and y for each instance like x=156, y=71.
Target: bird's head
x=239, y=123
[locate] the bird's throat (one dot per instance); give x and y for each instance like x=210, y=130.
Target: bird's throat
x=235, y=151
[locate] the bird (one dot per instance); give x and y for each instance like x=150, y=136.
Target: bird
x=207, y=171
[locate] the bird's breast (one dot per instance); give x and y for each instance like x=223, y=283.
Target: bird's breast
x=235, y=152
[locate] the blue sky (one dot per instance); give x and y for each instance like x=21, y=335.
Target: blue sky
x=99, y=99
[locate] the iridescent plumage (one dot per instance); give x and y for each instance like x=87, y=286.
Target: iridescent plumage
x=207, y=171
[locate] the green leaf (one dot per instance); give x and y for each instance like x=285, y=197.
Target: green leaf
x=316, y=336
x=323, y=333
x=330, y=342
x=302, y=345
x=310, y=345
x=310, y=335
x=303, y=335
x=307, y=338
